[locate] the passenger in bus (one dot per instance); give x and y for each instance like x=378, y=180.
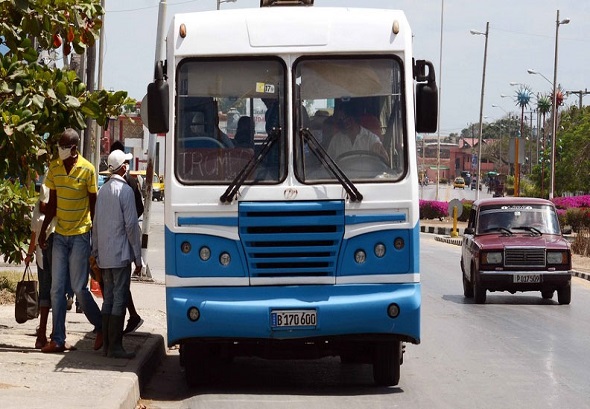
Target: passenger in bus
x=244, y=133
x=351, y=136
x=198, y=129
x=329, y=129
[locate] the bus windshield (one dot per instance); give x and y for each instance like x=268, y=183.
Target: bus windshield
x=226, y=113
x=353, y=107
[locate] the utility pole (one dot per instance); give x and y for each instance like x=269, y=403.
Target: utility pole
x=90, y=75
x=580, y=95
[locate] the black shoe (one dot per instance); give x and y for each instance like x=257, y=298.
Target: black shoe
x=133, y=323
x=69, y=303
x=79, y=309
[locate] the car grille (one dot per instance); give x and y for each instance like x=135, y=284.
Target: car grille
x=295, y=239
x=519, y=257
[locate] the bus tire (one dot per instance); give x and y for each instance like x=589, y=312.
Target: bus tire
x=386, y=363
x=196, y=364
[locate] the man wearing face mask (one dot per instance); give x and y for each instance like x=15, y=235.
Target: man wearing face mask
x=116, y=243
x=71, y=180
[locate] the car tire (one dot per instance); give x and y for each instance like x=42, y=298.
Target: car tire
x=467, y=288
x=547, y=294
x=386, y=363
x=479, y=292
x=564, y=294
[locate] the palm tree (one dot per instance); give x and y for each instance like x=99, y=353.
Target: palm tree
x=523, y=98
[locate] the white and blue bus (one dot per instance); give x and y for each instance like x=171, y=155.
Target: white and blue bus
x=291, y=184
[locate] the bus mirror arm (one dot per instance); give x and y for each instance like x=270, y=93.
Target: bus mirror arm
x=325, y=159
x=234, y=186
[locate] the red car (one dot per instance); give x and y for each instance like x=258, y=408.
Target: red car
x=515, y=244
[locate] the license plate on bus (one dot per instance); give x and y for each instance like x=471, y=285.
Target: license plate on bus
x=293, y=318
x=527, y=278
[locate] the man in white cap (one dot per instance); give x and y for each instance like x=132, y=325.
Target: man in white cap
x=116, y=243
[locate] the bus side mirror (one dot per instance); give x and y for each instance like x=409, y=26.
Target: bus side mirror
x=158, y=102
x=426, y=97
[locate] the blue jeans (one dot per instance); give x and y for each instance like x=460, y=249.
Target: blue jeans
x=70, y=260
x=116, y=282
x=44, y=275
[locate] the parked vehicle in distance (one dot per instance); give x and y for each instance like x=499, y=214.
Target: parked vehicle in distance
x=459, y=183
x=515, y=244
x=157, y=184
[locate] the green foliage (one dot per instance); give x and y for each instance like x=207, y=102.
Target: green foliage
x=467, y=205
x=16, y=203
x=37, y=103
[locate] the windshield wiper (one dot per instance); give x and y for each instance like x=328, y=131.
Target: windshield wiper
x=502, y=229
x=234, y=186
x=318, y=150
x=533, y=230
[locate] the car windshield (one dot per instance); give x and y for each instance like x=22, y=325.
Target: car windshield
x=226, y=110
x=536, y=219
x=349, y=120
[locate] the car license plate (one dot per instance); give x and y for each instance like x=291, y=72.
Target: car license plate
x=293, y=318
x=527, y=278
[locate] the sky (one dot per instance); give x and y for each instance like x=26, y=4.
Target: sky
x=521, y=37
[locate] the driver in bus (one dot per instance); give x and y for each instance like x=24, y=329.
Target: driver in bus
x=351, y=136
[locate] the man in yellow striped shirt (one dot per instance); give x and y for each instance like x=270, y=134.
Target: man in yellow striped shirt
x=71, y=180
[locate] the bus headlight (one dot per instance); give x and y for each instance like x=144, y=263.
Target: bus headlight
x=379, y=250
x=205, y=253
x=360, y=256
x=193, y=314
x=225, y=259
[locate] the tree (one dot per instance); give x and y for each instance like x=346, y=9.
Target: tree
x=573, y=151
x=38, y=102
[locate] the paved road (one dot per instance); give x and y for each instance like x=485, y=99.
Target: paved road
x=515, y=351
x=446, y=193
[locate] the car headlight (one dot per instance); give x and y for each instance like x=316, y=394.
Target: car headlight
x=492, y=257
x=556, y=257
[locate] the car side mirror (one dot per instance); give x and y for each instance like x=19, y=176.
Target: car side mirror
x=469, y=230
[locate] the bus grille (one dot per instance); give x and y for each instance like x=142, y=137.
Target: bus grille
x=520, y=257
x=293, y=239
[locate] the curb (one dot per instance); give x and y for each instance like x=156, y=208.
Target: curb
x=446, y=231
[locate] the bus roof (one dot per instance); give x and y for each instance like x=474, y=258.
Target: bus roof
x=275, y=30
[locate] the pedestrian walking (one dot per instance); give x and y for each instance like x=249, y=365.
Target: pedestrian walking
x=116, y=243
x=71, y=180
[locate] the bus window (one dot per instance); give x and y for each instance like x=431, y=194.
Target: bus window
x=211, y=90
x=365, y=130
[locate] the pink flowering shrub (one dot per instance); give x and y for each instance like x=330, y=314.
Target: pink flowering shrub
x=432, y=209
x=571, y=202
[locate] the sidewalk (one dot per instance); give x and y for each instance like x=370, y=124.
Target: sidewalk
x=83, y=378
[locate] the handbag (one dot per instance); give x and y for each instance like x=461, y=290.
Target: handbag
x=27, y=297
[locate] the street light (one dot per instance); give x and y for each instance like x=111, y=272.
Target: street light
x=224, y=1
x=483, y=83
x=553, y=139
x=532, y=71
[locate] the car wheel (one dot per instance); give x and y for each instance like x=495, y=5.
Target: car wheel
x=386, y=363
x=467, y=288
x=479, y=292
x=548, y=294
x=564, y=294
